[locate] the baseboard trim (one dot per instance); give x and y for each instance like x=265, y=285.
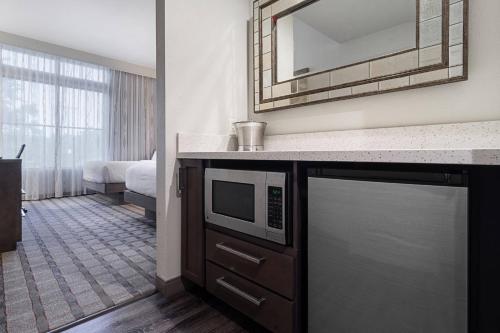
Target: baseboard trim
x=171, y=288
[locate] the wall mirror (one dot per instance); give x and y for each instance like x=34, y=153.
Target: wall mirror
x=312, y=51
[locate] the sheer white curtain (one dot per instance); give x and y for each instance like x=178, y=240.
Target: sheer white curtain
x=132, y=117
x=59, y=108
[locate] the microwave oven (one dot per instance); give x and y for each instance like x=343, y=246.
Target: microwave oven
x=251, y=202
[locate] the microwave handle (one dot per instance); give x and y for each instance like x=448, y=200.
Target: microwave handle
x=255, y=260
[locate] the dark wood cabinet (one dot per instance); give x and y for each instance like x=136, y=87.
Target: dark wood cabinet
x=192, y=230
x=271, y=269
x=265, y=307
x=10, y=204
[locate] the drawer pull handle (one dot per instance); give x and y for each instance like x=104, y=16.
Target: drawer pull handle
x=237, y=253
x=254, y=300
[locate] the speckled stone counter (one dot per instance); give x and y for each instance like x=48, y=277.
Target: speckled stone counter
x=470, y=143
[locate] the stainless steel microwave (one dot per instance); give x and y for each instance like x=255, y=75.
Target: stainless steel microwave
x=251, y=202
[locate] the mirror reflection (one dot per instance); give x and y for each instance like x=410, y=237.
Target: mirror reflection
x=328, y=34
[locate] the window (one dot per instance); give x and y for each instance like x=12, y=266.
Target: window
x=57, y=107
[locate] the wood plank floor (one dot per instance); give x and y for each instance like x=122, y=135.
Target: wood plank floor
x=187, y=313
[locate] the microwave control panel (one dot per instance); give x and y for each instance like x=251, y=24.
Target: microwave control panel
x=276, y=223
x=275, y=207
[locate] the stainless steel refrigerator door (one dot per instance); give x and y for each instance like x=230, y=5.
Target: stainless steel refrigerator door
x=386, y=257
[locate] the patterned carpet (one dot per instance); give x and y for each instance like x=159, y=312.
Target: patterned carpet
x=79, y=256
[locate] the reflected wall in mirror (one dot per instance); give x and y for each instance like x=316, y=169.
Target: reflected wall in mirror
x=329, y=34
x=314, y=51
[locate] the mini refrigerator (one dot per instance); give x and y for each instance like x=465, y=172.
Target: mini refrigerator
x=386, y=252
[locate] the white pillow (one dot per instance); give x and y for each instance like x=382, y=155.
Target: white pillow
x=154, y=156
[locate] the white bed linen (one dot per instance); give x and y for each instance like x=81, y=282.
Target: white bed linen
x=141, y=178
x=106, y=171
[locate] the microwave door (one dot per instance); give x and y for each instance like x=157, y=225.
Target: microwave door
x=234, y=200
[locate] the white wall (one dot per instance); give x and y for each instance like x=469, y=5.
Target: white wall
x=66, y=52
x=205, y=90
x=477, y=99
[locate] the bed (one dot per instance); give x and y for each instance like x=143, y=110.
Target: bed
x=140, y=181
x=106, y=177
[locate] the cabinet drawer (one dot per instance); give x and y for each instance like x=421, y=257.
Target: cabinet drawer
x=266, y=308
x=270, y=269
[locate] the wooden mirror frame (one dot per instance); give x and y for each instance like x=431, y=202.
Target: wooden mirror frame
x=440, y=56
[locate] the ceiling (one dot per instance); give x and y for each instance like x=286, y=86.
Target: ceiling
x=344, y=20
x=118, y=29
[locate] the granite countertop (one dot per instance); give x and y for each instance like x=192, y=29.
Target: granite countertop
x=434, y=156
x=467, y=144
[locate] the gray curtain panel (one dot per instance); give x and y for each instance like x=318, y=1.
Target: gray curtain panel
x=132, y=117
